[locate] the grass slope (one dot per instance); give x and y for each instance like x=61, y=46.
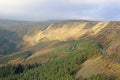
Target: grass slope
x=61, y=68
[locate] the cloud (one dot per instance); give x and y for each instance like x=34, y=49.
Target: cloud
x=16, y=6
x=87, y=1
x=94, y=2
x=60, y=9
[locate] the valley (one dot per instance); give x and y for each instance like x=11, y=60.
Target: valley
x=59, y=50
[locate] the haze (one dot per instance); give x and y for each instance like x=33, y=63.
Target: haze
x=39, y=10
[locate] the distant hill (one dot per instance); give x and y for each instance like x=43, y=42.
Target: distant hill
x=23, y=27
x=8, y=41
x=12, y=31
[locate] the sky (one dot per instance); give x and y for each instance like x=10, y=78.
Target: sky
x=40, y=10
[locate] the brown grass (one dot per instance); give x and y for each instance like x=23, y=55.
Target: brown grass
x=99, y=65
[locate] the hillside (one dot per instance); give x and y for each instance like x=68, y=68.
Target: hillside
x=64, y=50
x=24, y=27
x=8, y=41
x=12, y=31
x=105, y=33
x=66, y=31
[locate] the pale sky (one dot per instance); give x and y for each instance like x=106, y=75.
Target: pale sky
x=38, y=10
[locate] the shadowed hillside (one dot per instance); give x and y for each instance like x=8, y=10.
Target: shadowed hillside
x=8, y=41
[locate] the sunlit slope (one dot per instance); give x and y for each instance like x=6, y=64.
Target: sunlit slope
x=105, y=33
x=66, y=31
